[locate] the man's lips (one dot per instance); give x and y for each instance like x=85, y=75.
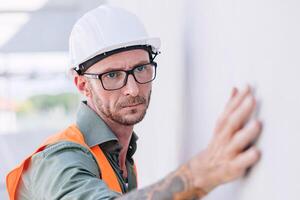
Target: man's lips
x=132, y=102
x=132, y=105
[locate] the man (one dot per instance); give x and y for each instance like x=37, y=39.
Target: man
x=113, y=64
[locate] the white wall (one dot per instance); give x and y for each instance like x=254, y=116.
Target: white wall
x=257, y=42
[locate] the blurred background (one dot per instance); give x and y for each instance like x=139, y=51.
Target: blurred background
x=208, y=46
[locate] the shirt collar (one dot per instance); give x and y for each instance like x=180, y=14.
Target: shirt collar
x=96, y=131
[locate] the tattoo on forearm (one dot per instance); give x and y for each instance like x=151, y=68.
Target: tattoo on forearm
x=175, y=186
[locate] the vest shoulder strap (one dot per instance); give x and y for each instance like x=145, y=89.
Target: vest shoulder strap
x=71, y=134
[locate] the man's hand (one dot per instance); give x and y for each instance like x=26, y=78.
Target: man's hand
x=226, y=158
x=230, y=152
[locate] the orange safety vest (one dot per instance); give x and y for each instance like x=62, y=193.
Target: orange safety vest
x=71, y=134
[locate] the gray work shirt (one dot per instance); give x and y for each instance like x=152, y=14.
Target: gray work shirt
x=66, y=170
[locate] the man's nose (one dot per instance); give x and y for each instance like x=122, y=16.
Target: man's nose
x=131, y=88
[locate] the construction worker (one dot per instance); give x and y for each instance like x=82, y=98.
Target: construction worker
x=113, y=65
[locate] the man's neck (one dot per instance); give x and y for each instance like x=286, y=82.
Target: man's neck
x=123, y=133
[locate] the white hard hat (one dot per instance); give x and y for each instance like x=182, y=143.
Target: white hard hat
x=103, y=30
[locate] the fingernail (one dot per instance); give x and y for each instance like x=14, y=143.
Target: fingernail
x=246, y=88
x=255, y=123
x=233, y=91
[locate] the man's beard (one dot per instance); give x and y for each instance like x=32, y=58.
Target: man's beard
x=121, y=118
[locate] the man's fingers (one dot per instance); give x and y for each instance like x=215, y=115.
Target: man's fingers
x=235, y=100
x=245, y=160
x=240, y=116
x=234, y=92
x=243, y=138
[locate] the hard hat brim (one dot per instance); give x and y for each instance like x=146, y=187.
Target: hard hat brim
x=154, y=42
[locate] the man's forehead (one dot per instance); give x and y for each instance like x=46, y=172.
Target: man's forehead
x=122, y=60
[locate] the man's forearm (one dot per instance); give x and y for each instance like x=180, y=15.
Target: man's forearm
x=178, y=185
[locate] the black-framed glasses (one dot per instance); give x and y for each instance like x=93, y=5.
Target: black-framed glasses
x=116, y=79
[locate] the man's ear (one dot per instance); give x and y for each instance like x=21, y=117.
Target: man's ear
x=82, y=85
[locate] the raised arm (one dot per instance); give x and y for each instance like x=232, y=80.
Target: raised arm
x=227, y=157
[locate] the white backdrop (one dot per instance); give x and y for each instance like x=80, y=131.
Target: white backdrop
x=257, y=42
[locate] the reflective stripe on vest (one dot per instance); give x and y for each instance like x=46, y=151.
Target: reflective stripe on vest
x=71, y=134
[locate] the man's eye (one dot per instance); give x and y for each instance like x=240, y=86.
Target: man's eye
x=140, y=68
x=111, y=74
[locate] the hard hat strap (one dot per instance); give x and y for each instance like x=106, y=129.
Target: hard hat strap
x=81, y=68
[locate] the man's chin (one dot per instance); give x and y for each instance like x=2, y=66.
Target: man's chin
x=130, y=119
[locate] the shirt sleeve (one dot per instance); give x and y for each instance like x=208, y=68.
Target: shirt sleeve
x=64, y=171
